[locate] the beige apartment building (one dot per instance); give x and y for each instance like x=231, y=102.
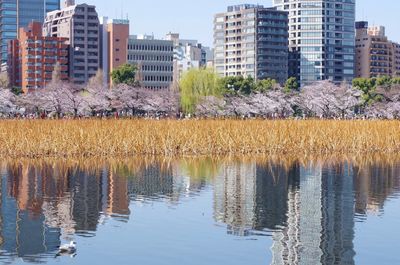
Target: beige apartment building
x=251, y=41
x=80, y=25
x=376, y=55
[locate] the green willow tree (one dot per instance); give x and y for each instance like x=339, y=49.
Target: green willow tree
x=197, y=83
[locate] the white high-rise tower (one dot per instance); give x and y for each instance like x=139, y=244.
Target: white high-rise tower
x=321, y=39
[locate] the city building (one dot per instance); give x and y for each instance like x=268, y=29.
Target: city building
x=396, y=59
x=376, y=55
x=321, y=39
x=15, y=14
x=80, y=24
x=32, y=58
x=154, y=59
x=250, y=40
x=114, y=35
x=188, y=54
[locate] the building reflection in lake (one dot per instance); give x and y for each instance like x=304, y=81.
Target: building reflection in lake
x=308, y=210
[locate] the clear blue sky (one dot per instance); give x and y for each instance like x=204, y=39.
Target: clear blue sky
x=193, y=18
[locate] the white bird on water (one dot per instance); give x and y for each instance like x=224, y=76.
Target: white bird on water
x=68, y=248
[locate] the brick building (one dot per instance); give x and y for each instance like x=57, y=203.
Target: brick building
x=32, y=57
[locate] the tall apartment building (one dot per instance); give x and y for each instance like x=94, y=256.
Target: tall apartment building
x=396, y=59
x=32, y=57
x=114, y=35
x=154, y=59
x=188, y=54
x=15, y=14
x=250, y=40
x=375, y=54
x=80, y=24
x=321, y=39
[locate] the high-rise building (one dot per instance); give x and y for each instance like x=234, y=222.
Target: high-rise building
x=321, y=39
x=396, y=59
x=250, y=40
x=154, y=59
x=376, y=55
x=80, y=25
x=114, y=35
x=32, y=58
x=15, y=14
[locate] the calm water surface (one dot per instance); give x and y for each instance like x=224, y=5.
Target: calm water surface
x=201, y=211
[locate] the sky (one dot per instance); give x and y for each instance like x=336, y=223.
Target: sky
x=193, y=19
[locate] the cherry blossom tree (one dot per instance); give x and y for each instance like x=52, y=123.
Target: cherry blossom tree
x=388, y=105
x=327, y=100
x=73, y=99
x=135, y=100
x=96, y=96
x=54, y=98
x=7, y=102
x=211, y=106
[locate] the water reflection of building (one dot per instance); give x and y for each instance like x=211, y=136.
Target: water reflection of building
x=320, y=225
x=308, y=210
x=234, y=191
x=253, y=197
x=374, y=183
x=273, y=183
x=152, y=181
x=41, y=203
x=24, y=231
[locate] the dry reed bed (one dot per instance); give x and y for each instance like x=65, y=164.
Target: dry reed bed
x=84, y=138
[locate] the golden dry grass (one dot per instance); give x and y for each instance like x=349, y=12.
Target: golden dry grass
x=85, y=138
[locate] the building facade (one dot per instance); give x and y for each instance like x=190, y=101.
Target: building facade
x=396, y=59
x=154, y=59
x=376, y=55
x=32, y=58
x=80, y=24
x=15, y=14
x=188, y=54
x=321, y=39
x=114, y=35
x=250, y=40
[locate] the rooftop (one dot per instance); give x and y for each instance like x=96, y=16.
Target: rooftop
x=234, y=8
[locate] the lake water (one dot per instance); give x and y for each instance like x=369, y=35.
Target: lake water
x=201, y=211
